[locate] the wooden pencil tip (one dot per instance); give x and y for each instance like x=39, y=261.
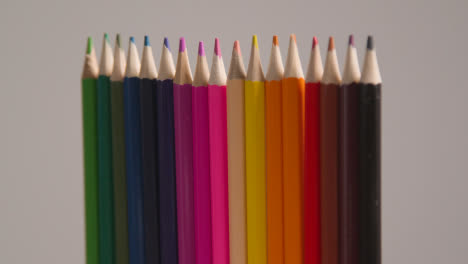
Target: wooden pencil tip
x=237, y=47
x=331, y=44
x=132, y=40
x=314, y=42
x=117, y=40
x=201, y=49
x=217, y=49
x=255, y=41
x=182, y=46
x=147, y=41
x=275, y=40
x=89, y=45
x=351, y=40
x=166, y=44
x=293, y=37
x=106, y=37
x=370, y=43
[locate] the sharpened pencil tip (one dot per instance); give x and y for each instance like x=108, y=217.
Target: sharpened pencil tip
x=293, y=36
x=351, y=40
x=106, y=37
x=147, y=41
x=370, y=43
x=217, y=49
x=166, y=43
x=201, y=49
x=314, y=42
x=255, y=41
x=89, y=46
x=132, y=40
x=237, y=47
x=117, y=40
x=275, y=40
x=182, y=44
x=331, y=44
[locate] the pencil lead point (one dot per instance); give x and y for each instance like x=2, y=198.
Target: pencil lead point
x=293, y=36
x=89, y=46
x=275, y=40
x=237, y=47
x=147, y=41
x=201, y=49
x=255, y=41
x=314, y=42
x=331, y=44
x=132, y=40
x=106, y=37
x=166, y=43
x=117, y=40
x=217, y=49
x=370, y=42
x=182, y=44
x=351, y=40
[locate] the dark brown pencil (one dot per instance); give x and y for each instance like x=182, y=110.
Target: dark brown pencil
x=348, y=158
x=329, y=156
x=369, y=159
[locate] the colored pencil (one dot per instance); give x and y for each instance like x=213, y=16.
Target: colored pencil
x=218, y=157
x=201, y=161
x=329, y=156
x=293, y=155
x=369, y=159
x=274, y=155
x=133, y=156
x=90, y=160
x=348, y=158
x=312, y=158
x=255, y=158
x=148, y=75
x=184, y=156
x=106, y=194
x=236, y=157
x=166, y=157
x=118, y=155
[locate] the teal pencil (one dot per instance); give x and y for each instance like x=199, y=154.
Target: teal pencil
x=106, y=194
x=118, y=155
x=88, y=97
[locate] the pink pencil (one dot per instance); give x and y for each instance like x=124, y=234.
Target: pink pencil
x=201, y=161
x=183, y=147
x=218, y=153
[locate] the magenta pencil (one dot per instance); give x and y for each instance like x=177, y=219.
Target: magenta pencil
x=201, y=161
x=218, y=153
x=184, y=155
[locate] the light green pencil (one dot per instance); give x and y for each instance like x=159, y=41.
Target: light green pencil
x=89, y=104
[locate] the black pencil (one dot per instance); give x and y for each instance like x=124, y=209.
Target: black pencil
x=148, y=75
x=369, y=159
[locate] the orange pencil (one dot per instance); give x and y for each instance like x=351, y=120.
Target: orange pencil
x=293, y=144
x=274, y=156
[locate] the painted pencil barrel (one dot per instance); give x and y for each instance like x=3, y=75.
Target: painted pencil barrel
x=134, y=170
x=201, y=175
x=184, y=171
x=149, y=169
x=255, y=171
x=312, y=234
x=166, y=171
x=89, y=107
x=236, y=171
x=369, y=174
x=348, y=173
x=274, y=171
x=218, y=173
x=119, y=174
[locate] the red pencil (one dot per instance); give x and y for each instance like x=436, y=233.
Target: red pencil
x=312, y=158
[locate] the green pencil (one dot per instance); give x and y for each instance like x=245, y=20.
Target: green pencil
x=118, y=155
x=88, y=94
x=106, y=187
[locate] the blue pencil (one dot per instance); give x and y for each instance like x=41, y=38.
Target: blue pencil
x=166, y=158
x=133, y=156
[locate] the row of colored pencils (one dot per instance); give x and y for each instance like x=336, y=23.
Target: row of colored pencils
x=240, y=168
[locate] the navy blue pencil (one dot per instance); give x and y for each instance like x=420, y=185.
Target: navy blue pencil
x=133, y=156
x=148, y=75
x=166, y=158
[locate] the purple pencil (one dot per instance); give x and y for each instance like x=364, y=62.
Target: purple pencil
x=183, y=150
x=201, y=161
x=218, y=153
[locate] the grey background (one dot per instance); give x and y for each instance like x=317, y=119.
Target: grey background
x=421, y=47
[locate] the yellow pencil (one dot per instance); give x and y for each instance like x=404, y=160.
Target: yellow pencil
x=255, y=158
